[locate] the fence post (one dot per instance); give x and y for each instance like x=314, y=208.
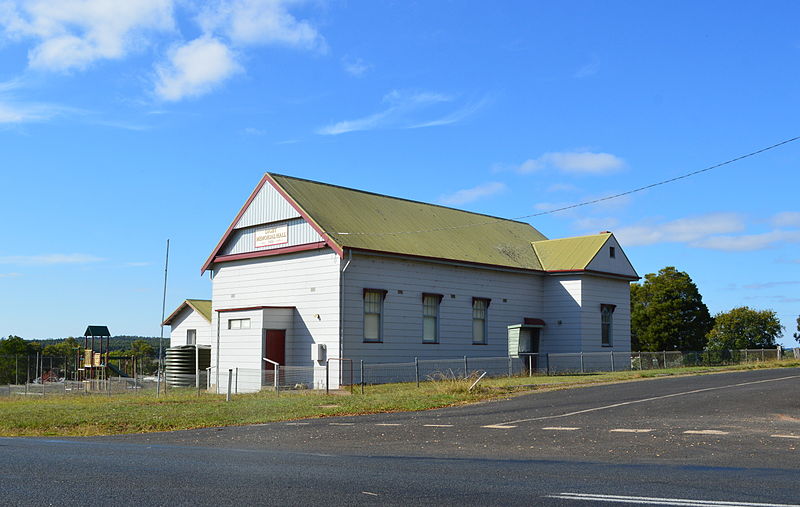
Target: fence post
x=327, y=376
x=779, y=352
x=745, y=355
x=612, y=360
x=466, y=368
x=230, y=381
x=416, y=370
x=361, y=374
x=547, y=357
x=277, y=379
x=665, y=359
x=762, y=354
x=640, y=360
x=510, y=367
x=530, y=365
x=581, y=361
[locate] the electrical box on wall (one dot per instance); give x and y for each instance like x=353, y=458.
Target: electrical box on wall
x=318, y=351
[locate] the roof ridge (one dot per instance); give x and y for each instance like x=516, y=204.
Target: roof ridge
x=574, y=237
x=399, y=198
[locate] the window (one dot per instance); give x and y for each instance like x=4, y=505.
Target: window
x=430, y=317
x=479, y=327
x=606, y=325
x=373, y=314
x=612, y=252
x=238, y=323
x=191, y=337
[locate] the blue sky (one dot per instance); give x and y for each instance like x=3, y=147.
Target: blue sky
x=124, y=124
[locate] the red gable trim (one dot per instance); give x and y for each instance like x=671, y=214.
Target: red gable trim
x=335, y=246
x=227, y=234
x=267, y=178
x=267, y=253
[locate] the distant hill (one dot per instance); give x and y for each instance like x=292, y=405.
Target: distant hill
x=121, y=342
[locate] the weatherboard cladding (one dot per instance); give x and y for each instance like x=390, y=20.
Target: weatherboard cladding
x=267, y=206
x=367, y=221
x=243, y=240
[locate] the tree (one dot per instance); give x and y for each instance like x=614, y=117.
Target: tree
x=668, y=313
x=140, y=348
x=797, y=334
x=745, y=328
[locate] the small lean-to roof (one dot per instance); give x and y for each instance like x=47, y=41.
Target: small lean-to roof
x=569, y=254
x=201, y=306
x=367, y=221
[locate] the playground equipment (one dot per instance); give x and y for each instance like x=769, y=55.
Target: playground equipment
x=95, y=360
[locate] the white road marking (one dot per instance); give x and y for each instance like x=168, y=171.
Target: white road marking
x=388, y=424
x=561, y=428
x=498, y=426
x=631, y=430
x=645, y=500
x=370, y=493
x=297, y=423
x=654, y=398
x=341, y=424
x=785, y=436
x=438, y=425
x=705, y=432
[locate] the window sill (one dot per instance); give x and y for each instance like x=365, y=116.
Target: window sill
x=372, y=341
x=430, y=343
x=475, y=343
x=606, y=346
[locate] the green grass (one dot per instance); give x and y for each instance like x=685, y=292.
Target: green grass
x=102, y=415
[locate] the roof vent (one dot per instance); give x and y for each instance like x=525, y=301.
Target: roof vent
x=604, y=232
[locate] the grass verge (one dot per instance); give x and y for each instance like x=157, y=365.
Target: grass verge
x=100, y=415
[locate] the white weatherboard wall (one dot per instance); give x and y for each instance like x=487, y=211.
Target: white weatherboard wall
x=597, y=291
x=406, y=280
x=307, y=281
x=189, y=319
x=618, y=264
x=562, y=303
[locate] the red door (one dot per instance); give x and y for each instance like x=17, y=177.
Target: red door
x=275, y=346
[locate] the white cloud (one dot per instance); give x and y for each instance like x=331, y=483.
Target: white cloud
x=10, y=275
x=49, y=259
x=468, y=195
x=786, y=219
x=576, y=162
x=137, y=264
x=403, y=111
x=596, y=224
x=683, y=230
x=749, y=242
x=254, y=22
x=194, y=69
x=589, y=69
x=355, y=66
x=73, y=34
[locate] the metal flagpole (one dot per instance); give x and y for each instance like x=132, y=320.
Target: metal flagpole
x=161, y=337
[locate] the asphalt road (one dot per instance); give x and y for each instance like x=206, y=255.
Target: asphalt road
x=729, y=437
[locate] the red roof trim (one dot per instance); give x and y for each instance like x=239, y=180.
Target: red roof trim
x=226, y=310
x=336, y=248
x=227, y=234
x=267, y=253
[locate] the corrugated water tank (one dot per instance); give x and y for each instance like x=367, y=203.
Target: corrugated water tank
x=181, y=363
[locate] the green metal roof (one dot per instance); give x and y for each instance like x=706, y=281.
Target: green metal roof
x=202, y=306
x=569, y=253
x=97, y=331
x=368, y=221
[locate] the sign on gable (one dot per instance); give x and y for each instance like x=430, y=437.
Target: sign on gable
x=272, y=236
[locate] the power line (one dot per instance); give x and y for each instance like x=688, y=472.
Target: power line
x=585, y=203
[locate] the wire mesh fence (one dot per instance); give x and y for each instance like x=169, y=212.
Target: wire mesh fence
x=47, y=376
